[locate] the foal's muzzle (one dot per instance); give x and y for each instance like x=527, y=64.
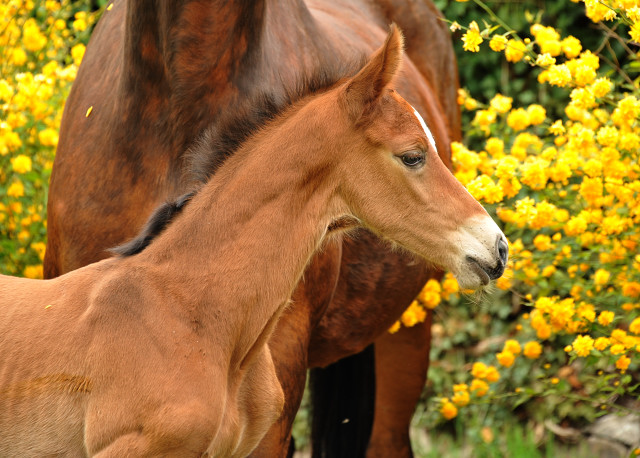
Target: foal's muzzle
x=487, y=273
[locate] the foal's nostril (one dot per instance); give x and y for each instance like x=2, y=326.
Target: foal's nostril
x=503, y=250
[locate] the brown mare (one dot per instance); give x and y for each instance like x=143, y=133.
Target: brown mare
x=157, y=73
x=165, y=348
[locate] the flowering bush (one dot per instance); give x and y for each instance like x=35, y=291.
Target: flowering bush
x=42, y=44
x=567, y=191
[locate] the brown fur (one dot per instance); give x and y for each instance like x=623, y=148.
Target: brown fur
x=158, y=73
x=165, y=352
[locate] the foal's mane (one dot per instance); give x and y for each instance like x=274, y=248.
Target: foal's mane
x=226, y=135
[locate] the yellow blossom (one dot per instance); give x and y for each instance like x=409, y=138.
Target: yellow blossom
x=472, y=38
x=537, y=114
x=500, y=103
x=33, y=271
x=514, y=51
x=601, y=277
x=460, y=398
x=479, y=370
x=479, y=387
x=16, y=189
x=505, y=358
x=518, y=119
x=571, y=47
x=623, y=363
x=492, y=375
x=21, y=164
x=582, y=345
x=448, y=410
x=430, y=294
x=601, y=343
x=559, y=75
x=77, y=52
x=557, y=128
x=532, y=350
x=498, y=43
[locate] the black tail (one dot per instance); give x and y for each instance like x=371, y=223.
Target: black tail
x=343, y=401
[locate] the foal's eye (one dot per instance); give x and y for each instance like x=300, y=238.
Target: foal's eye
x=413, y=159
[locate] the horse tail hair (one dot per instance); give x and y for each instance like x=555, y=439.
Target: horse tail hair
x=343, y=401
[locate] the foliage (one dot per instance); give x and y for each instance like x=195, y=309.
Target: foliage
x=42, y=43
x=566, y=188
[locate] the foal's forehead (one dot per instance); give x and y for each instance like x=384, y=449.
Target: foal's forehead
x=406, y=105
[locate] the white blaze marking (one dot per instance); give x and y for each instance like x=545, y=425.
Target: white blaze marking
x=426, y=129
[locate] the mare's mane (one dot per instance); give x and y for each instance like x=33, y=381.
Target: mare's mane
x=226, y=135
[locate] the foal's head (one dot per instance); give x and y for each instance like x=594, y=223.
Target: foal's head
x=393, y=181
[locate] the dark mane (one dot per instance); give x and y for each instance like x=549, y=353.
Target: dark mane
x=224, y=136
x=227, y=133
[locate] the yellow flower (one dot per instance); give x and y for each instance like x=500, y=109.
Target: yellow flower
x=601, y=87
x=32, y=38
x=479, y=387
x=559, y=75
x=505, y=358
x=472, y=38
x=518, y=119
x=413, y=315
x=582, y=345
x=448, y=410
x=77, y=52
x=495, y=147
x=430, y=294
x=18, y=57
x=500, y=103
x=601, y=343
x=591, y=190
x=21, y=164
x=537, y=114
x=492, y=375
x=80, y=24
x=635, y=32
x=512, y=346
x=449, y=285
x=498, y=43
x=542, y=242
x=479, y=370
x=460, y=398
x=623, y=363
x=16, y=189
x=557, y=128
x=514, y=51
x=48, y=137
x=545, y=60
x=33, y=271
x=532, y=350
x=601, y=277
x=571, y=47
x=634, y=327
x=606, y=317
x=395, y=327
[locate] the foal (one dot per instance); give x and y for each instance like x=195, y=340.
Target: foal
x=164, y=350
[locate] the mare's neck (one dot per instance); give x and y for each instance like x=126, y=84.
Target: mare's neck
x=241, y=245
x=211, y=55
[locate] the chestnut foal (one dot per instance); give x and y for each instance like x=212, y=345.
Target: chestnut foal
x=164, y=347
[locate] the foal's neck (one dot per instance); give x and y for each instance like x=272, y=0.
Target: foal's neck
x=242, y=243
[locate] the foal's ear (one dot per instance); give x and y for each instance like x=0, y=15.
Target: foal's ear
x=364, y=89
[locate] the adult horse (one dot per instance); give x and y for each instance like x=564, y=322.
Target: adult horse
x=157, y=73
x=166, y=348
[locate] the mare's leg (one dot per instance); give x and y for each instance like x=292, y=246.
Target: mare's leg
x=402, y=360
